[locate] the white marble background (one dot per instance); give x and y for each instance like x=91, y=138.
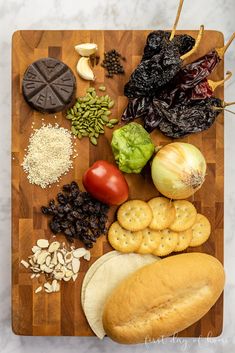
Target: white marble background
x=110, y=14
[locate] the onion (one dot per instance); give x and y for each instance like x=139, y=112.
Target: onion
x=178, y=170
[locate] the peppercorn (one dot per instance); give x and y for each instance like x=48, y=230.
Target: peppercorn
x=112, y=63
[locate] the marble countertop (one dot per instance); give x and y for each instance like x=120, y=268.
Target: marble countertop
x=110, y=14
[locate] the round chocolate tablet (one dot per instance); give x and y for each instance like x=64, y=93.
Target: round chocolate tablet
x=48, y=85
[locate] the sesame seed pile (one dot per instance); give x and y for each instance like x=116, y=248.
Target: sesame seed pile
x=48, y=156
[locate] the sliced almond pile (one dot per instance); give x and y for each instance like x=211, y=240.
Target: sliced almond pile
x=55, y=261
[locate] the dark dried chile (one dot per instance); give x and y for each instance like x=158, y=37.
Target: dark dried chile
x=154, y=73
x=159, y=65
x=191, y=81
x=158, y=39
x=186, y=117
x=169, y=108
x=190, y=75
x=78, y=215
x=194, y=118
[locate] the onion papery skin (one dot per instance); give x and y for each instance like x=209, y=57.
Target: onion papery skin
x=178, y=170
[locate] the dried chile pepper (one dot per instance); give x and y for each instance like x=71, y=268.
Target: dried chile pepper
x=158, y=39
x=184, y=104
x=183, y=120
x=190, y=78
x=157, y=71
x=154, y=73
x=207, y=87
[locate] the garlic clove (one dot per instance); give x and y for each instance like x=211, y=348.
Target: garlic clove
x=84, y=70
x=86, y=49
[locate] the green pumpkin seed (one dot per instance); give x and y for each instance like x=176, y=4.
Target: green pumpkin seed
x=93, y=140
x=102, y=88
x=113, y=121
x=92, y=101
x=86, y=114
x=90, y=89
x=90, y=114
x=74, y=130
x=102, y=122
x=105, y=118
x=111, y=104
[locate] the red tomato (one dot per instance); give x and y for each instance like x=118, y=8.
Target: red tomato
x=106, y=183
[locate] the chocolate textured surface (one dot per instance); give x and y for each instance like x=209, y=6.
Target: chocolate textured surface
x=48, y=85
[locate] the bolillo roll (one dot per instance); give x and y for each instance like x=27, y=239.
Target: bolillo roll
x=163, y=298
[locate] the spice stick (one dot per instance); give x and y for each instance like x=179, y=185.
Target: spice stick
x=214, y=84
x=228, y=104
x=198, y=40
x=224, y=107
x=177, y=19
x=221, y=51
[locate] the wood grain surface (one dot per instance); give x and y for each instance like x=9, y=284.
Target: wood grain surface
x=61, y=313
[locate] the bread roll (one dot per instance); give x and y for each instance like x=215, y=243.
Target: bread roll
x=163, y=298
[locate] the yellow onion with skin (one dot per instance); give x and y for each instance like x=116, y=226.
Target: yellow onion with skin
x=178, y=170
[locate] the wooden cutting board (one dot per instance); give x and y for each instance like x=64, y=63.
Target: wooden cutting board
x=61, y=313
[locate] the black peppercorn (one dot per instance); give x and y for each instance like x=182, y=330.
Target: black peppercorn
x=112, y=63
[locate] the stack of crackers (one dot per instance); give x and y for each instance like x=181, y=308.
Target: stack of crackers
x=159, y=227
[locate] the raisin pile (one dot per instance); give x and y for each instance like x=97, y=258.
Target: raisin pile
x=77, y=214
x=112, y=63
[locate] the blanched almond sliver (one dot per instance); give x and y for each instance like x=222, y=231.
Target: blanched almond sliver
x=79, y=252
x=75, y=265
x=54, y=285
x=42, y=243
x=42, y=257
x=60, y=258
x=24, y=263
x=87, y=256
x=54, y=246
x=38, y=289
x=35, y=248
x=74, y=277
x=48, y=260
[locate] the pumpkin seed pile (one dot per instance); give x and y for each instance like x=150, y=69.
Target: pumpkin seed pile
x=90, y=115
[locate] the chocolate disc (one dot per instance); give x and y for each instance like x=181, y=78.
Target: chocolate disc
x=48, y=85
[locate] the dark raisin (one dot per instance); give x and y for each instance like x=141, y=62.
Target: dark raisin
x=66, y=188
x=68, y=232
x=67, y=208
x=45, y=210
x=78, y=201
x=74, y=186
x=61, y=198
x=77, y=214
x=55, y=227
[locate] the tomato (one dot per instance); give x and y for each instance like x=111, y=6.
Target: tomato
x=106, y=183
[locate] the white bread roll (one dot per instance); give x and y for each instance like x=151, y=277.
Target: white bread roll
x=163, y=298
